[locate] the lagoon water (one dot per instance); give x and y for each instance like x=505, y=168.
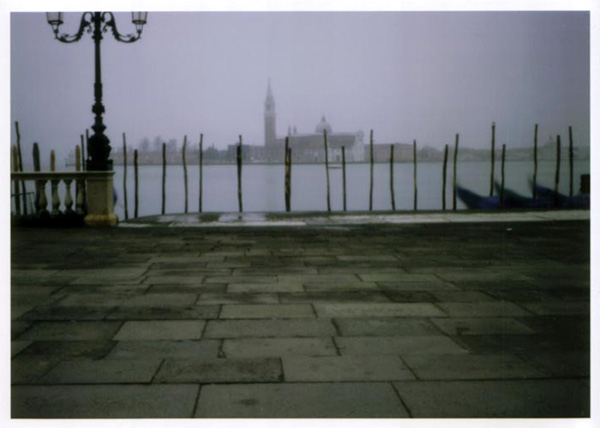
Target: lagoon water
x=263, y=186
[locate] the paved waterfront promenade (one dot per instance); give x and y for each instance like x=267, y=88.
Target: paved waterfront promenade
x=424, y=316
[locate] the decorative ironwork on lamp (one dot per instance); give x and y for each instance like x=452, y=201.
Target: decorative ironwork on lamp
x=97, y=23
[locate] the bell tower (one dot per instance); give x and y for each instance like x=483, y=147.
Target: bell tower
x=269, y=117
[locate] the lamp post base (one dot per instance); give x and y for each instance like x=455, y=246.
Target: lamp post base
x=100, y=199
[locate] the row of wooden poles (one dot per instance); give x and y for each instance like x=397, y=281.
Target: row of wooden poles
x=80, y=165
x=288, y=172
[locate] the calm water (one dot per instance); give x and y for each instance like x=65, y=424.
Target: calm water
x=263, y=186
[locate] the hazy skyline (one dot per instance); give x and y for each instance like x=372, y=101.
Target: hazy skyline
x=406, y=75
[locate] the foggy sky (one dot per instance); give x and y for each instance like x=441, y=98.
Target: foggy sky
x=406, y=75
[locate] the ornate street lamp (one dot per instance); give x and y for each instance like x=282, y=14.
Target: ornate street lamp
x=98, y=23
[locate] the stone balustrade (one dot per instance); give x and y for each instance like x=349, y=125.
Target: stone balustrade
x=71, y=199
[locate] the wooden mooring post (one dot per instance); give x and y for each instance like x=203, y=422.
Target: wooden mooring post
x=493, y=158
x=185, y=179
x=82, y=153
x=393, y=199
x=415, y=174
x=36, y=168
x=239, y=175
x=570, y=162
x=455, y=173
x=135, y=177
x=286, y=162
x=200, y=166
x=557, y=175
x=87, y=145
x=290, y=177
x=344, y=176
x=164, y=176
x=535, y=160
x=15, y=167
x=444, y=167
x=502, y=176
x=77, y=158
x=327, y=170
x=371, y=171
x=125, y=176
x=20, y=159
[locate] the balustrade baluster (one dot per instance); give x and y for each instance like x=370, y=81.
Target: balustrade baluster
x=42, y=201
x=68, y=198
x=79, y=197
x=55, y=198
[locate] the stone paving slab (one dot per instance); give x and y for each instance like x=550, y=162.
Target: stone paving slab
x=278, y=287
x=460, y=296
x=277, y=347
x=523, y=295
x=222, y=370
x=241, y=298
x=29, y=370
x=267, y=311
x=323, y=400
x=496, y=399
x=161, y=299
x=303, y=279
x=17, y=346
x=92, y=299
x=99, y=280
x=386, y=327
x=398, y=345
x=487, y=276
x=157, y=349
x=270, y=328
x=344, y=369
x=487, y=286
x=104, y=401
x=470, y=326
x=398, y=277
x=338, y=297
x=182, y=270
x=409, y=296
x=186, y=288
x=102, y=371
x=65, y=331
x=471, y=367
x=563, y=364
x=171, y=280
x=67, y=350
x=165, y=312
x=317, y=286
x=559, y=325
x=19, y=327
x=160, y=330
x=558, y=308
x=17, y=311
x=240, y=279
x=73, y=313
x=416, y=286
x=361, y=310
x=264, y=271
x=522, y=343
x=483, y=309
x=108, y=289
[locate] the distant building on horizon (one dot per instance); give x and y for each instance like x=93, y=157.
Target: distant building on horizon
x=309, y=147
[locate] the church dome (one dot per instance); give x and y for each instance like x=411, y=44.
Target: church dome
x=323, y=125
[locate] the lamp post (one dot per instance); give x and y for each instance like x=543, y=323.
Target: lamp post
x=98, y=23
